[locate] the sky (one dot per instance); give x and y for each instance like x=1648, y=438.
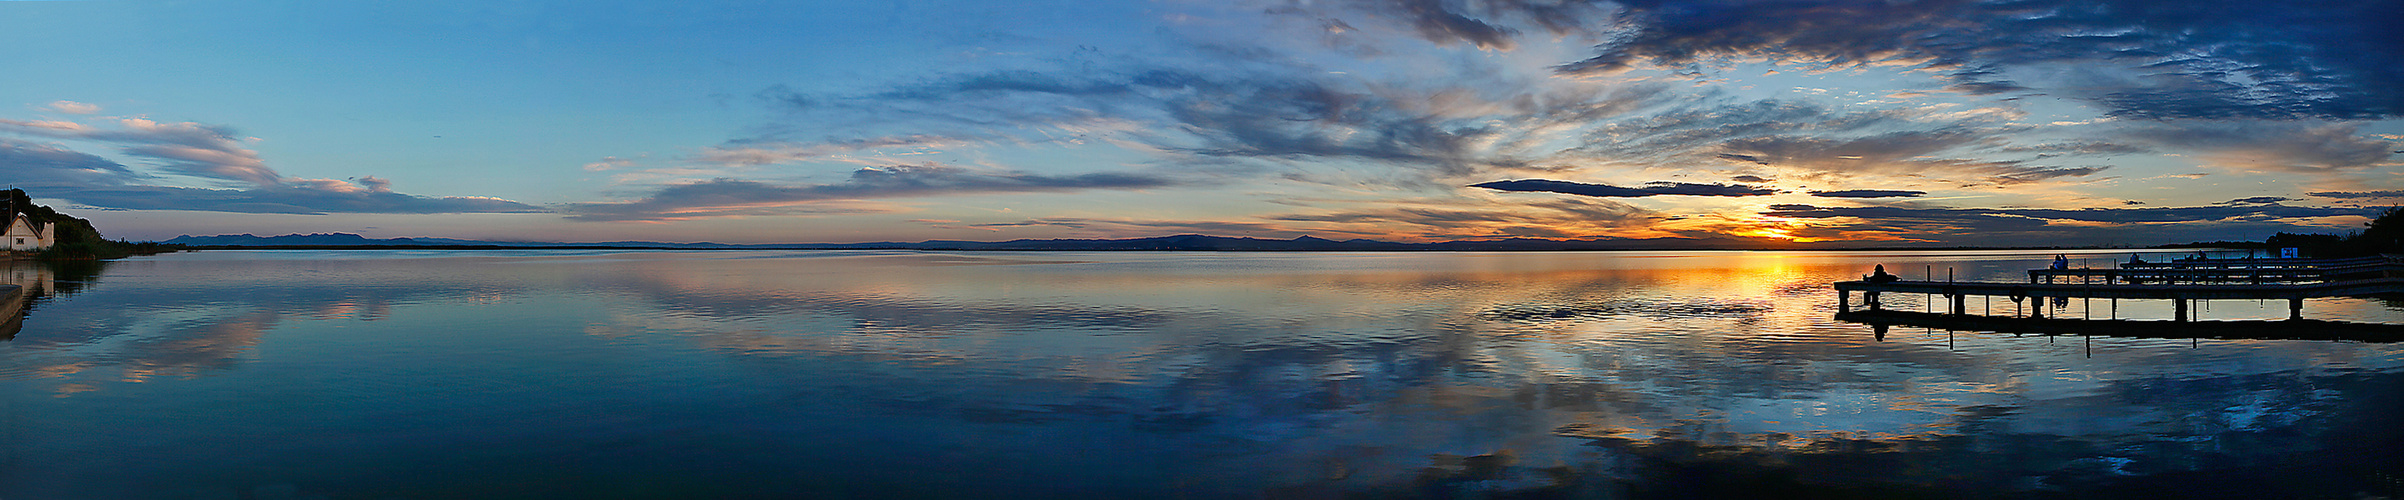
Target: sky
x=1830, y=123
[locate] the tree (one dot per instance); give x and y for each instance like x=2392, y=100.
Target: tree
x=75, y=237
x=2385, y=234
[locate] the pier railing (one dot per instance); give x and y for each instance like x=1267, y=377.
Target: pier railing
x=2208, y=271
x=2194, y=263
x=2193, y=279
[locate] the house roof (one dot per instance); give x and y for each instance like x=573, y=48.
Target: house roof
x=30, y=222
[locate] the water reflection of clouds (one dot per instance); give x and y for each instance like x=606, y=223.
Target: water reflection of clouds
x=1645, y=357
x=1327, y=365
x=183, y=318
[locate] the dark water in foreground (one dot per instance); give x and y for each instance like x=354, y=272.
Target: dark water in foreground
x=294, y=374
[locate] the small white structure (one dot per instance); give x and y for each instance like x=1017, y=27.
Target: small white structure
x=24, y=234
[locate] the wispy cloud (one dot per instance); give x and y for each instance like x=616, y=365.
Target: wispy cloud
x=1553, y=218
x=758, y=152
x=1492, y=25
x=2079, y=148
x=1868, y=193
x=1811, y=142
x=1125, y=228
x=314, y=198
x=1258, y=114
x=2162, y=214
x=2016, y=226
x=733, y=197
x=72, y=107
x=2320, y=149
x=207, y=152
x=2154, y=59
x=2169, y=60
x=1610, y=191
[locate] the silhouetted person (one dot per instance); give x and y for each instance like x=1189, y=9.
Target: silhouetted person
x=2061, y=261
x=1879, y=275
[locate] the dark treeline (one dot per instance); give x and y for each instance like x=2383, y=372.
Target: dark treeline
x=2384, y=235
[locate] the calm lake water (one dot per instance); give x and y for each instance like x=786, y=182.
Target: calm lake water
x=831, y=374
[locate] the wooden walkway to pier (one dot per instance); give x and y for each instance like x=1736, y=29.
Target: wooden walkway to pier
x=2179, y=281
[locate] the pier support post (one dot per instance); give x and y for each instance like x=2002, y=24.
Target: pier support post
x=1960, y=308
x=2178, y=309
x=2295, y=308
x=1844, y=301
x=1871, y=298
x=2036, y=306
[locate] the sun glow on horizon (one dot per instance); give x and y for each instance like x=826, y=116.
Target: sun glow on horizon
x=1776, y=228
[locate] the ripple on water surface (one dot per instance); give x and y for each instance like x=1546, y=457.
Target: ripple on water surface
x=964, y=374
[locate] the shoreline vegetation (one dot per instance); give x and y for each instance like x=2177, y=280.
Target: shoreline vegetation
x=1177, y=243
x=2382, y=235
x=76, y=238
x=2194, y=246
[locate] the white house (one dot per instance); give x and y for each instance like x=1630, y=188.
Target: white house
x=25, y=234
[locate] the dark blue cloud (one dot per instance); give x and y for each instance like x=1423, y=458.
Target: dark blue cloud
x=2212, y=59
x=1743, y=158
x=36, y=165
x=2348, y=195
x=2257, y=200
x=1437, y=21
x=2013, y=174
x=1610, y=191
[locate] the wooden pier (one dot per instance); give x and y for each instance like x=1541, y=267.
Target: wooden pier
x=2206, y=271
x=2294, y=329
x=12, y=310
x=2180, y=281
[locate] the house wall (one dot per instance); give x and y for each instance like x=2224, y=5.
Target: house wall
x=21, y=236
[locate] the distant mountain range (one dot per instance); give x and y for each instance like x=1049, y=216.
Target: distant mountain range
x=1185, y=242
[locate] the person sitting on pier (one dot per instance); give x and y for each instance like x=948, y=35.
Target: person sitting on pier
x=1879, y=275
x=2136, y=258
x=2061, y=261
